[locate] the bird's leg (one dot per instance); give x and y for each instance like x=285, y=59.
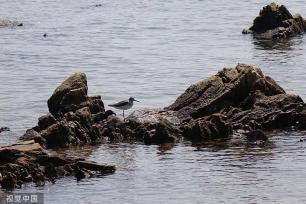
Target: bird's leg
x=123, y=114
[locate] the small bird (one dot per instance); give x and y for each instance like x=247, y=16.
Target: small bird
x=124, y=105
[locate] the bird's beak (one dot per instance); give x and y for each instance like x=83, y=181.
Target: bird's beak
x=137, y=101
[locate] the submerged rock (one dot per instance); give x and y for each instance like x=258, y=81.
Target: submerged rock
x=276, y=22
x=2, y=129
x=6, y=22
x=257, y=137
x=29, y=162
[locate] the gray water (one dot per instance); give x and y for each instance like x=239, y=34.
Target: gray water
x=152, y=50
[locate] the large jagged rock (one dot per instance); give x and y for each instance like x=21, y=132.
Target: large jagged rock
x=6, y=22
x=29, y=162
x=69, y=95
x=72, y=118
x=276, y=22
x=228, y=88
x=244, y=97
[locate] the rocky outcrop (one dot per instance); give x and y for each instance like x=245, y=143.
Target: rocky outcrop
x=237, y=103
x=73, y=120
x=243, y=98
x=73, y=117
x=240, y=99
x=69, y=95
x=6, y=22
x=29, y=162
x=276, y=22
x=235, y=99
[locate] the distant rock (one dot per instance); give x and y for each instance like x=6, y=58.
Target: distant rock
x=276, y=22
x=2, y=129
x=6, y=22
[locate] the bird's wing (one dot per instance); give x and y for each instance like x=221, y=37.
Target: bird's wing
x=121, y=103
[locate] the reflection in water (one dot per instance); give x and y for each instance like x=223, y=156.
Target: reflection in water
x=285, y=44
x=77, y=151
x=285, y=51
x=164, y=148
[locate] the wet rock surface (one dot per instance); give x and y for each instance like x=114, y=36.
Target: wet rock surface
x=244, y=98
x=276, y=22
x=28, y=162
x=73, y=117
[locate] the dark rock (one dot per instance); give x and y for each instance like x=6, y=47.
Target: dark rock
x=57, y=135
x=276, y=22
x=245, y=98
x=79, y=174
x=27, y=161
x=213, y=127
x=55, y=160
x=72, y=92
x=74, y=117
x=2, y=129
x=93, y=166
x=161, y=132
x=228, y=88
x=151, y=131
x=30, y=134
x=256, y=135
x=45, y=121
x=109, y=113
x=9, y=181
x=50, y=172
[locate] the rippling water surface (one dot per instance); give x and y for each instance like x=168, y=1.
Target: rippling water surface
x=152, y=50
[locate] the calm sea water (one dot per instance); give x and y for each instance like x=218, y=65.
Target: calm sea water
x=152, y=50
